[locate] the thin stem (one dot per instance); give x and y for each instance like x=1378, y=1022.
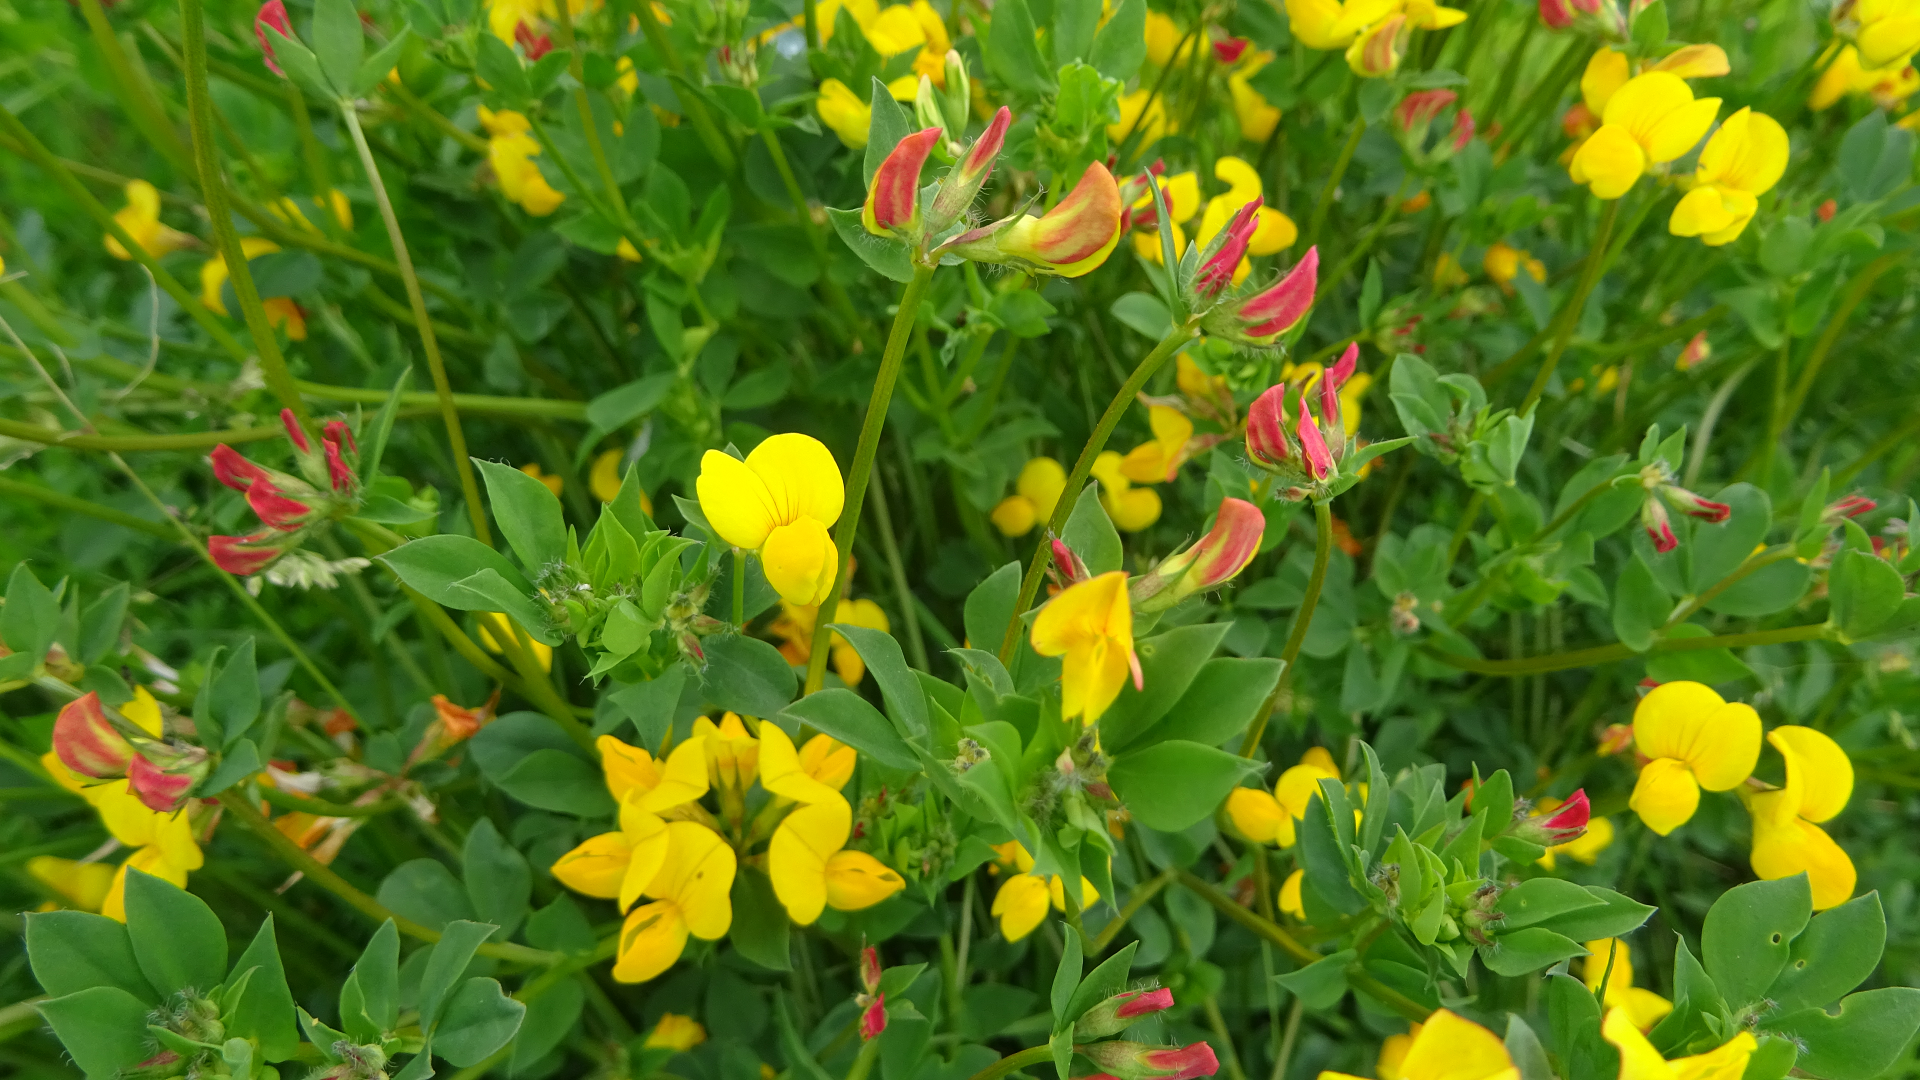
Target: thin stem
x=863, y=1061
x=1141, y=896
x=1260, y=927
x=1316, y=581
x=870, y=429
x=1325, y=202
x=443, y=390
x=1289, y=1039
x=1857, y=291
x=141, y=106
x=1175, y=340
x=1211, y=1006
x=15, y=488
x=1576, y=304
x=739, y=591
x=194, y=440
x=716, y=140
x=1603, y=654
x=1032, y=1055
x=213, y=191
x=897, y=568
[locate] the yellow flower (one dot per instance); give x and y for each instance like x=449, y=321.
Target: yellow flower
x=1448, y=1047
x=1650, y=120
x=1644, y=1007
x=1391, y=1064
x=690, y=898
x=676, y=1032
x=1787, y=838
x=83, y=885
x=1269, y=818
x=1640, y=1061
x=1317, y=24
x=1152, y=125
x=842, y=110
x=1157, y=461
x=618, y=865
x=1036, y=494
x=1273, y=231
x=1503, y=263
x=505, y=16
x=1587, y=848
x=141, y=219
x=605, y=479
x=1131, y=508
x=661, y=784
x=733, y=754
x=1742, y=161
x=281, y=311
x=1695, y=740
x=164, y=844
x=1021, y=904
x=1163, y=37
x=510, y=151
x=1290, y=901
x=828, y=760
x=1091, y=624
x=1427, y=15
x=1889, y=31
x=554, y=482
x=542, y=652
x=1606, y=73
x=813, y=869
x=1257, y=117
x=779, y=503
x=289, y=211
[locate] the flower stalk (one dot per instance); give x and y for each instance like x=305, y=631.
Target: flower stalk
x=1570, y=315
x=1317, y=580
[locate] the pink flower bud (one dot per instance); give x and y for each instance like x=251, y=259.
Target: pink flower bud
x=1463, y=130
x=1694, y=506
x=272, y=13
x=1563, y=824
x=1312, y=446
x=1653, y=518
x=242, y=555
x=958, y=189
x=1418, y=109
x=1554, y=14
x=1330, y=384
x=1378, y=52
x=231, y=468
x=1229, y=51
x=534, y=45
x=276, y=510
x=1267, y=442
x=1279, y=309
x=339, y=471
x=1120, y=1011
x=1071, y=568
x=87, y=741
x=1137, y=1061
x=870, y=969
x=163, y=792
x=1217, y=271
x=294, y=434
x=1849, y=507
x=893, y=201
x=873, y=1018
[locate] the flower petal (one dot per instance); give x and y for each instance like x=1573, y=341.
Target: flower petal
x=1666, y=795
x=797, y=857
x=1450, y=1047
x=856, y=880
x=801, y=476
x=596, y=867
x=1020, y=905
x=801, y=561
x=735, y=500
x=651, y=939
x=1818, y=771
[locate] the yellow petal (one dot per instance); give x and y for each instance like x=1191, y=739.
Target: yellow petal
x=1696, y=62
x=1818, y=771
x=1133, y=510
x=1608, y=162
x=782, y=773
x=801, y=477
x=1041, y=482
x=1183, y=196
x=1601, y=953
x=1298, y=785
x=647, y=842
x=596, y=867
x=1638, y=1059
x=1014, y=515
x=797, y=857
x=1719, y=741
x=1145, y=464
x=1317, y=24
x=1255, y=814
x=1710, y=209
x=856, y=880
x=1290, y=895
x=1787, y=845
x=735, y=500
x=1748, y=153
x=1606, y=73
x=843, y=111
x=1450, y=1047
x=124, y=815
x=801, y=561
x=1728, y=1062
x=1391, y=1064
x=627, y=767
x=1666, y=795
x=698, y=877
x=1645, y=1007
x=1273, y=231
x=828, y=760
x=1020, y=905
x=144, y=712
x=1681, y=130
x=651, y=939
x=683, y=780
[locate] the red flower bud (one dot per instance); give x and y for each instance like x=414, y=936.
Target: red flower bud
x=1207, y=564
x=272, y=13
x=1463, y=129
x=1330, y=384
x=1229, y=51
x=232, y=468
x=1135, y=1061
x=1277, y=310
x=294, y=434
x=1694, y=506
x=242, y=555
x=1267, y=442
x=1851, y=506
x=893, y=200
x=87, y=741
x=1121, y=1011
x=1069, y=565
x=870, y=969
x=1653, y=518
x=873, y=1018
x=534, y=45
x=161, y=792
x=963, y=183
x=1418, y=109
x=1563, y=824
x=1312, y=446
x=1217, y=271
x=277, y=510
x=1554, y=14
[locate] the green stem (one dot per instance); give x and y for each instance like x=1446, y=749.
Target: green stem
x=1032, y=1055
x=803, y=212
x=15, y=488
x=1325, y=202
x=1760, y=465
x=1570, y=315
x=897, y=567
x=1603, y=654
x=1316, y=581
x=1366, y=243
x=1141, y=896
x=325, y=807
x=213, y=191
x=739, y=591
x=863, y=1061
x=142, y=107
x=717, y=143
x=1175, y=340
x=1857, y=291
x=443, y=390
x=1538, y=103
x=870, y=429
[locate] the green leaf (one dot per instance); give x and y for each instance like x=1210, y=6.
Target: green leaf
x=1144, y=312
x=1066, y=979
x=529, y=515
x=1747, y=937
x=899, y=686
x=1617, y=916
x=1526, y=951
x=449, y=959
x=233, y=696
x=73, y=951
x=370, y=998
x=497, y=65
x=888, y=125
x=1222, y=700
x=425, y=891
x=176, y=937
x=1537, y=900
x=793, y=1048
x=847, y=717
x=499, y=882
x=478, y=1020
x=1103, y=982
x=1091, y=535
x=557, y=780
x=1121, y=46
x=1169, y=665
x=100, y=624
x=1860, y=1043
x=1717, y=550
x=1574, y=1014
x=989, y=607
x=1640, y=606
x=487, y=589
x=263, y=1011
x=1523, y=1046
x=1710, y=666
x=747, y=675
x=1174, y=784
x=240, y=761
x=1839, y=949
x=434, y=566
x=376, y=439
x=104, y=1029
x=761, y=928
x=1321, y=984
x=339, y=41
x=884, y=256
x=1013, y=50
x=1865, y=592
x=551, y=1017
x=30, y=616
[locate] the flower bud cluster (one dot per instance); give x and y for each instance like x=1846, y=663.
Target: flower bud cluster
x=1206, y=564
x=1308, y=461
x=103, y=745
x=291, y=507
x=1662, y=492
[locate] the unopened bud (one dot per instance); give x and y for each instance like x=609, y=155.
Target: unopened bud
x=1209, y=563
x=1138, y=1061
x=964, y=182
x=273, y=14
x=1227, y=252
x=1850, y=507
x=1313, y=448
x=893, y=199
x=1120, y=1012
x=87, y=741
x=243, y=555
x=1071, y=239
x=1267, y=442
x=1265, y=316
x=1654, y=519
x=161, y=777
x=1564, y=824
x=1377, y=53
x=873, y=1018
x=1069, y=566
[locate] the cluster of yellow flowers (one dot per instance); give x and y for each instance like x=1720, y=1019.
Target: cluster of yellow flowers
x=1264, y=817
x=1449, y=1047
x=892, y=31
x=1690, y=739
x=1373, y=33
x=1872, y=57
x=682, y=856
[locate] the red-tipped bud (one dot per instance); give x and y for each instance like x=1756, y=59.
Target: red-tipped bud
x=1378, y=52
x=339, y=432
x=87, y=741
x=1653, y=518
x=1137, y=1061
x=1564, y=823
x=534, y=45
x=231, y=468
x=1697, y=351
x=294, y=435
x=958, y=189
x=272, y=13
x=873, y=1018
x=1826, y=210
x=893, y=200
x=1207, y=564
x=1312, y=447
x=1217, y=271
x=276, y=510
x=1069, y=567
x=339, y=471
x=870, y=969
x=1849, y=507
x=1418, y=109
x=1694, y=506
x=1279, y=309
x=1121, y=1011
x=1555, y=15
x=1615, y=739
x=1229, y=51
x=1267, y=442
x=164, y=791
x=1330, y=384
x=242, y=555
x=1463, y=130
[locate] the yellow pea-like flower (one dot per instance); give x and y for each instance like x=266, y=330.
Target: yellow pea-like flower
x=1392, y=1061
x=1607, y=71
x=1640, y=1061
x=660, y=784
x=281, y=311
x=1257, y=117
x=779, y=502
x=676, y=1032
x=691, y=897
x=1036, y=492
x=828, y=760
x=510, y=151
x=141, y=219
x=1163, y=37
x=170, y=863
x=1889, y=32
x=842, y=110
x=1157, y=461
x=1131, y=508
x=605, y=478
x=1787, y=837
x=1090, y=624
x=732, y=752
x=1743, y=161
x=1289, y=899
x=1146, y=111
x=618, y=865
x=787, y=773
x=1503, y=263
x=1651, y=119
x=83, y=885
x=1273, y=231
x=1020, y=905
x=812, y=870
x=1317, y=24
x=1695, y=740
x=1644, y=1007
x=1448, y=1046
